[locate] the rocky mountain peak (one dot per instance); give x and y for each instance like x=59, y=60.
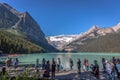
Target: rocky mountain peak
x=117, y=27
x=93, y=28
x=14, y=11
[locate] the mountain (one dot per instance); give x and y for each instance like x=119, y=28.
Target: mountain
x=96, y=39
x=107, y=43
x=60, y=40
x=117, y=27
x=22, y=24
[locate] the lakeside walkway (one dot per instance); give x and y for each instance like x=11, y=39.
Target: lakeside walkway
x=62, y=75
x=73, y=75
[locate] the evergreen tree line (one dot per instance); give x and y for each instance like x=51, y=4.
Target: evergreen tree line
x=10, y=43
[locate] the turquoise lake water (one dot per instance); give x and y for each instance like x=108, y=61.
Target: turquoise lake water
x=31, y=58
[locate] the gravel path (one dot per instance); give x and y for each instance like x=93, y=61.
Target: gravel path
x=73, y=75
x=62, y=75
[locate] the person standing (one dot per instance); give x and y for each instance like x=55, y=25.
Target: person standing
x=7, y=62
x=118, y=68
x=114, y=60
x=47, y=69
x=15, y=63
x=37, y=64
x=79, y=65
x=53, y=69
x=71, y=64
x=103, y=63
x=113, y=70
x=58, y=64
x=43, y=63
x=3, y=70
x=108, y=70
x=96, y=69
x=86, y=63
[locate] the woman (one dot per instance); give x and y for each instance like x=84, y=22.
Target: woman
x=47, y=69
x=15, y=63
x=108, y=70
x=43, y=63
x=58, y=64
x=86, y=63
x=53, y=69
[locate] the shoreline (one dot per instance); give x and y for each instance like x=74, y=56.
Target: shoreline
x=68, y=75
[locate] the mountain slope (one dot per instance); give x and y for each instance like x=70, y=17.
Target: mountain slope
x=10, y=43
x=22, y=24
x=107, y=43
x=100, y=40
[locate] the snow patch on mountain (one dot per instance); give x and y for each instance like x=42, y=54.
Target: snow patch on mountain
x=61, y=38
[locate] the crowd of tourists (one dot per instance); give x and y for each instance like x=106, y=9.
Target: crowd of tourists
x=12, y=62
x=49, y=67
x=111, y=68
x=9, y=62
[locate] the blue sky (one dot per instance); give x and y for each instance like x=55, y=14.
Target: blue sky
x=57, y=17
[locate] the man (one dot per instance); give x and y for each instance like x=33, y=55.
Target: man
x=79, y=65
x=96, y=69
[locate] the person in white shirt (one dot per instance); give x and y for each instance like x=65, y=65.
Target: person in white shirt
x=58, y=64
x=108, y=70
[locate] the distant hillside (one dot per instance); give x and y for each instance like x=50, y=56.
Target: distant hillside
x=96, y=39
x=10, y=43
x=107, y=43
x=22, y=24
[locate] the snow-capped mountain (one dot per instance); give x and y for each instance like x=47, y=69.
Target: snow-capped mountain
x=60, y=40
x=91, y=36
x=65, y=38
x=63, y=41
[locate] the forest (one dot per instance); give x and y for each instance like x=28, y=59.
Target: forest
x=11, y=43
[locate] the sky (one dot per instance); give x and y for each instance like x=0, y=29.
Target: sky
x=57, y=17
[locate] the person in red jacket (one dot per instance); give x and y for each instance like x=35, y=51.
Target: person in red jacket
x=86, y=63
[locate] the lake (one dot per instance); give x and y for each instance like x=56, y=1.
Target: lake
x=31, y=58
